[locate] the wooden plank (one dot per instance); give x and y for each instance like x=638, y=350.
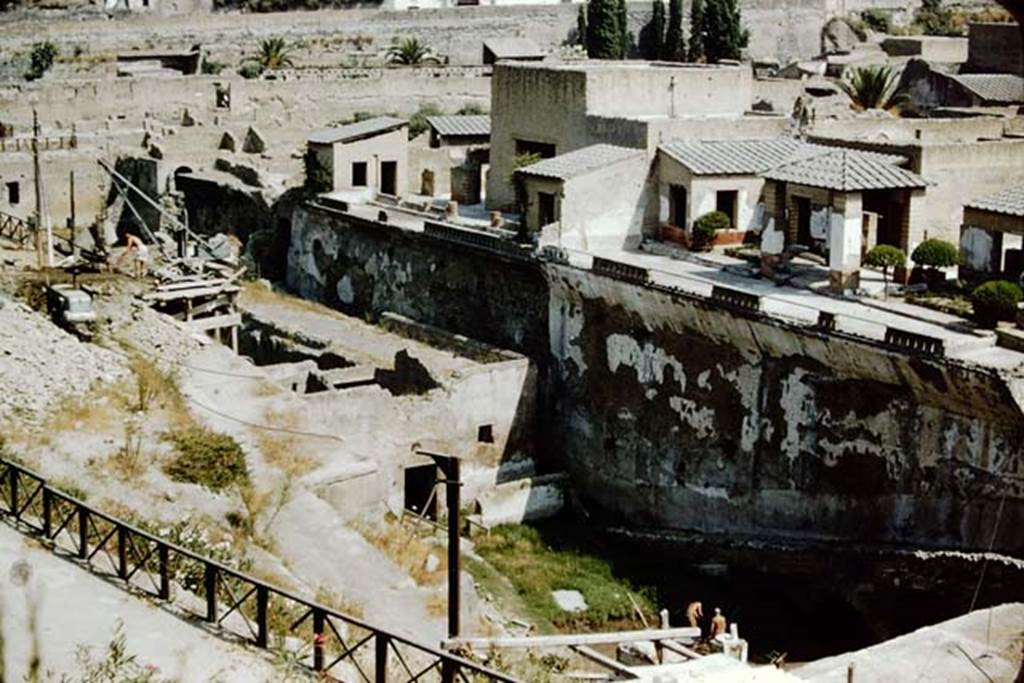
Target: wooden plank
x=679, y=649
x=607, y=662
x=574, y=639
x=189, y=293
x=215, y=322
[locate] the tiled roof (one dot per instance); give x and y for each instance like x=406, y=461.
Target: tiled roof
x=357, y=130
x=748, y=157
x=511, y=48
x=1009, y=201
x=733, y=157
x=572, y=164
x=846, y=170
x=993, y=87
x=475, y=126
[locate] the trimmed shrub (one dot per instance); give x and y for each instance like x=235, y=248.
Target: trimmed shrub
x=935, y=253
x=994, y=301
x=877, y=20
x=250, y=70
x=705, y=227
x=207, y=458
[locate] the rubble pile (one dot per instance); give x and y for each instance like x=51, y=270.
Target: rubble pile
x=153, y=334
x=40, y=363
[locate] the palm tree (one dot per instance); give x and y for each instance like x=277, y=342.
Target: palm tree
x=411, y=52
x=873, y=87
x=273, y=53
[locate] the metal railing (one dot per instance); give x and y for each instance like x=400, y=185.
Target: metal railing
x=238, y=605
x=16, y=229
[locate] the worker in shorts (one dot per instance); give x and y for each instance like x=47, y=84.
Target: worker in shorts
x=140, y=254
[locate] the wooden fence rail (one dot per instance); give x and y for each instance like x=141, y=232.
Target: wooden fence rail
x=334, y=644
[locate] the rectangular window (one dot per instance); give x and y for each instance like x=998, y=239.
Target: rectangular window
x=13, y=193
x=359, y=174
x=542, y=149
x=545, y=209
x=725, y=201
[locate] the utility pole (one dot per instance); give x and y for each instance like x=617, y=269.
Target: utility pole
x=71, y=219
x=39, y=191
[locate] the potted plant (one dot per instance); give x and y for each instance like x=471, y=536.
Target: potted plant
x=706, y=228
x=929, y=257
x=995, y=301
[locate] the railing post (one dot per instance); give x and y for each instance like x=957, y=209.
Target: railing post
x=83, y=532
x=447, y=671
x=380, y=657
x=210, y=582
x=262, y=599
x=163, y=554
x=122, y=552
x=13, y=475
x=318, y=639
x=47, y=513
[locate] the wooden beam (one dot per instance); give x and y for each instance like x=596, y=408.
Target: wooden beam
x=215, y=322
x=607, y=662
x=679, y=649
x=573, y=639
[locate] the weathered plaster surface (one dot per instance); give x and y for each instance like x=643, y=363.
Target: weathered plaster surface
x=672, y=414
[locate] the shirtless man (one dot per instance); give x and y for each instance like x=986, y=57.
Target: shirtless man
x=694, y=614
x=718, y=624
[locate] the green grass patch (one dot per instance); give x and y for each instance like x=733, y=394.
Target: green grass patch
x=536, y=563
x=205, y=457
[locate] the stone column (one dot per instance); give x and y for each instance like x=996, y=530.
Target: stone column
x=844, y=240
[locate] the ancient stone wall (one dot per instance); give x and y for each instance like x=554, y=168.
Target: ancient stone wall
x=678, y=415
x=672, y=413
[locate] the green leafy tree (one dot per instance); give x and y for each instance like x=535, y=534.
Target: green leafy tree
x=885, y=256
x=605, y=32
x=675, y=44
x=41, y=59
x=936, y=20
x=994, y=301
x=724, y=35
x=411, y=52
x=873, y=87
x=272, y=53
x=697, y=29
x=652, y=37
x=934, y=254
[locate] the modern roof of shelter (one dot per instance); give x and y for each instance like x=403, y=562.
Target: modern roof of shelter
x=580, y=161
x=749, y=157
x=846, y=170
x=461, y=126
x=356, y=131
x=513, y=48
x=993, y=87
x=1009, y=202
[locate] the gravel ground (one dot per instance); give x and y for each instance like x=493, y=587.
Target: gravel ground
x=40, y=364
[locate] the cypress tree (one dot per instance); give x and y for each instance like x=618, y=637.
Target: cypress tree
x=697, y=31
x=581, y=26
x=675, y=45
x=604, y=29
x=622, y=29
x=724, y=36
x=652, y=37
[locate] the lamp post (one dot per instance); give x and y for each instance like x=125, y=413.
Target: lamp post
x=449, y=467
